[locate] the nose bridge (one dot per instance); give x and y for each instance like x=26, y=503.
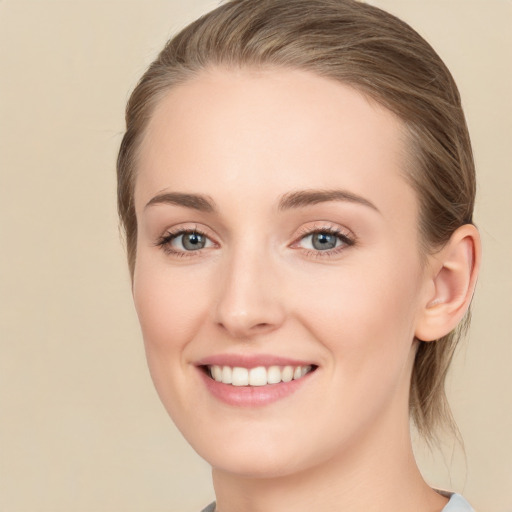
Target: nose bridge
x=249, y=301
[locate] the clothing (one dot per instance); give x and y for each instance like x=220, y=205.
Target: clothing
x=456, y=504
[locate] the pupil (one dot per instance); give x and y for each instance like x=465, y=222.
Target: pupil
x=193, y=241
x=323, y=241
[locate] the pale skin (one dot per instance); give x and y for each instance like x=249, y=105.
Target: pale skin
x=225, y=156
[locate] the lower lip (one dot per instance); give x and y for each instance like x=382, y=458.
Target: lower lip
x=252, y=396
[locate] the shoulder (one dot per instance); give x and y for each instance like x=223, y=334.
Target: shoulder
x=209, y=508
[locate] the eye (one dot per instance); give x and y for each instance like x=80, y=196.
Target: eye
x=189, y=241
x=184, y=241
x=321, y=241
x=324, y=241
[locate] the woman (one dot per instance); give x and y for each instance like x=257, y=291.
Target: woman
x=296, y=185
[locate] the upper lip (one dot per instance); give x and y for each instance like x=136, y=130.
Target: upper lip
x=250, y=361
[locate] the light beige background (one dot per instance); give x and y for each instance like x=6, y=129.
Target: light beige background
x=81, y=428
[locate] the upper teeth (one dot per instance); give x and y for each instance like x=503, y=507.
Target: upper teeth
x=259, y=376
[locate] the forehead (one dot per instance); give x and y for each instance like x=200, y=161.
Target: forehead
x=262, y=132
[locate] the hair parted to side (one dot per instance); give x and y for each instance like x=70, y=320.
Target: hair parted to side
x=379, y=55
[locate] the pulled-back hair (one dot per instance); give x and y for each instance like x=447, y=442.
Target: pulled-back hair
x=377, y=54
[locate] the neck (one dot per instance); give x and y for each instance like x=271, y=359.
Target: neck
x=378, y=474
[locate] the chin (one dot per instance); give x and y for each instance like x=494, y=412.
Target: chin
x=253, y=456
x=256, y=467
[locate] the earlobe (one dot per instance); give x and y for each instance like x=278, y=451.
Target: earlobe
x=451, y=282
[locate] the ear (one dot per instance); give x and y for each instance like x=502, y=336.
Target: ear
x=451, y=280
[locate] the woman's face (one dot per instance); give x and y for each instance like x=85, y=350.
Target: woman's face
x=277, y=238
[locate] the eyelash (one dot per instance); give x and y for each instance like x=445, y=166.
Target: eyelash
x=164, y=242
x=346, y=239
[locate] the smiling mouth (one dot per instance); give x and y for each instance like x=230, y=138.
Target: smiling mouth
x=258, y=376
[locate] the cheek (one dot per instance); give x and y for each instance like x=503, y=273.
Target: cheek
x=365, y=316
x=167, y=304
x=365, y=320
x=169, y=308
x=379, y=294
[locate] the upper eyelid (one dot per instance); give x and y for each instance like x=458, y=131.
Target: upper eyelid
x=325, y=227
x=192, y=228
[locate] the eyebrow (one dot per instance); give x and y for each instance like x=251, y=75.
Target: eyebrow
x=290, y=200
x=303, y=198
x=195, y=201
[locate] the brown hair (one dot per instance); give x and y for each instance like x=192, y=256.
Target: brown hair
x=374, y=52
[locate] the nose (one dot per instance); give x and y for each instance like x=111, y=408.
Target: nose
x=250, y=297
